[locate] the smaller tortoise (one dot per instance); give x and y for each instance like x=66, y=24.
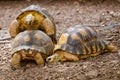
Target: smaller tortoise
x=34, y=18
x=31, y=45
x=78, y=43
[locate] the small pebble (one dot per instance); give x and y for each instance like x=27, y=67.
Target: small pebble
x=92, y=74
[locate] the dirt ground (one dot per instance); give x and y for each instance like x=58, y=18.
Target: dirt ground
x=67, y=13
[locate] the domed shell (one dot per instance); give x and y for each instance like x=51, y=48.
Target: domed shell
x=33, y=39
x=37, y=9
x=80, y=40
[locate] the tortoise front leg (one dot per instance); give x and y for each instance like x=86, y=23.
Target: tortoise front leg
x=50, y=29
x=70, y=57
x=14, y=28
x=38, y=58
x=15, y=62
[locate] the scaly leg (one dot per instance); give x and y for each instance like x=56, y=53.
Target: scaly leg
x=50, y=29
x=14, y=28
x=38, y=58
x=112, y=48
x=70, y=57
x=15, y=62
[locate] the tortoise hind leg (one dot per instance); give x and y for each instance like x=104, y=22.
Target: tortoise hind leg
x=14, y=28
x=50, y=29
x=15, y=62
x=111, y=48
x=70, y=57
x=38, y=58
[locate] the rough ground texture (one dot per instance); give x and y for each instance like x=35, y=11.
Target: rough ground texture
x=66, y=13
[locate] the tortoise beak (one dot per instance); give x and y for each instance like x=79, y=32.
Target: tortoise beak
x=29, y=19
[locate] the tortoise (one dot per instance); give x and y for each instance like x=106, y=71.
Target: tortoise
x=34, y=18
x=31, y=45
x=79, y=43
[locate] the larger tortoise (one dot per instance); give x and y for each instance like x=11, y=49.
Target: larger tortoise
x=34, y=18
x=78, y=43
x=31, y=45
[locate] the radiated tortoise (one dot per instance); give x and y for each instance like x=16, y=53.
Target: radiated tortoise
x=78, y=43
x=31, y=45
x=34, y=18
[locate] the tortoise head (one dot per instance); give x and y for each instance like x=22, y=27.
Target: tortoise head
x=53, y=58
x=58, y=56
x=29, y=19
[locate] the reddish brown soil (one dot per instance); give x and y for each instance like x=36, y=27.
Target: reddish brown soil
x=67, y=13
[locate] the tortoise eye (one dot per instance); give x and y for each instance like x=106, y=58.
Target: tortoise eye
x=48, y=59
